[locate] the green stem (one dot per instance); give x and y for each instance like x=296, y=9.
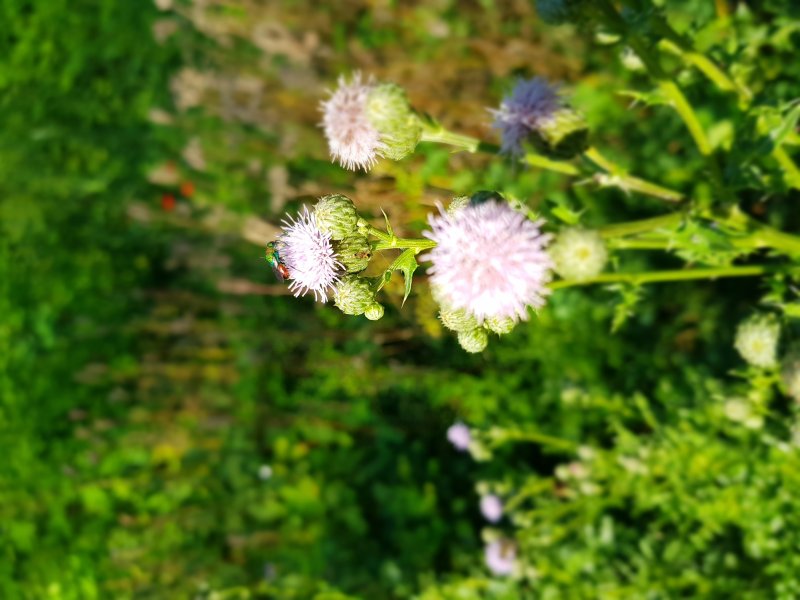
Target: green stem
x=618, y=178
x=686, y=112
x=396, y=243
x=663, y=276
x=641, y=226
x=537, y=160
x=440, y=135
x=790, y=170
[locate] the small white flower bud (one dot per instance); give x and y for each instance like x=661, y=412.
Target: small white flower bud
x=500, y=325
x=578, y=254
x=757, y=340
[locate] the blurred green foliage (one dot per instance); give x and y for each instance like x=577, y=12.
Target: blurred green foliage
x=173, y=426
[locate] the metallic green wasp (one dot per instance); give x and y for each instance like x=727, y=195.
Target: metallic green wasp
x=274, y=259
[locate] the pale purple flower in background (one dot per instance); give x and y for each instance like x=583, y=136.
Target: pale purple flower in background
x=352, y=139
x=501, y=557
x=489, y=260
x=492, y=507
x=459, y=435
x=309, y=256
x=531, y=103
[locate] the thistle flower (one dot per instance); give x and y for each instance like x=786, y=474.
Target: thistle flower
x=492, y=507
x=578, y=254
x=535, y=110
x=308, y=254
x=757, y=340
x=489, y=260
x=531, y=104
x=501, y=557
x=459, y=435
x=364, y=121
x=336, y=214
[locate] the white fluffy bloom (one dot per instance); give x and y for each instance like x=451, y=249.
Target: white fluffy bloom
x=459, y=435
x=489, y=260
x=308, y=254
x=492, y=508
x=352, y=138
x=578, y=254
x=501, y=557
x=757, y=340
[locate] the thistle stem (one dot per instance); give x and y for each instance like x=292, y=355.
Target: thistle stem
x=440, y=135
x=618, y=178
x=396, y=243
x=664, y=276
x=642, y=226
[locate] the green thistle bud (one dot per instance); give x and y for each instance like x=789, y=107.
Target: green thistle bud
x=353, y=295
x=458, y=320
x=374, y=312
x=336, y=215
x=565, y=135
x=354, y=252
x=499, y=325
x=473, y=341
x=578, y=254
x=390, y=113
x=757, y=340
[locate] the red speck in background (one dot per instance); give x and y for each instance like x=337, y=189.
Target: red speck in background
x=168, y=202
x=187, y=189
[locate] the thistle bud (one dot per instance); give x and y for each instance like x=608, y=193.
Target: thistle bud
x=353, y=252
x=578, y=254
x=374, y=312
x=757, y=340
x=353, y=295
x=473, y=341
x=500, y=325
x=390, y=113
x=564, y=135
x=336, y=215
x=458, y=320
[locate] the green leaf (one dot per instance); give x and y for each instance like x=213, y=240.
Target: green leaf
x=654, y=98
x=407, y=263
x=389, y=229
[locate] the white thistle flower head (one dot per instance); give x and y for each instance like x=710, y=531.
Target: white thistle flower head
x=757, y=340
x=365, y=120
x=578, y=254
x=492, y=507
x=501, y=557
x=309, y=256
x=459, y=435
x=489, y=260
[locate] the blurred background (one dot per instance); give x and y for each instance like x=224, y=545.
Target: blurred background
x=173, y=424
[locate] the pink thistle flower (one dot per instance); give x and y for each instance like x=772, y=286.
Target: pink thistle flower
x=492, y=508
x=489, y=260
x=309, y=256
x=352, y=138
x=459, y=435
x=531, y=103
x=501, y=557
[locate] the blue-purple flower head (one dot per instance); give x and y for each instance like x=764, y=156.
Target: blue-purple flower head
x=531, y=105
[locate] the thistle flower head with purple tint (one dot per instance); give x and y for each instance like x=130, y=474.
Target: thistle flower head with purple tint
x=309, y=256
x=528, y=107
x=352, y=138
x=489, y=260
x=492, y=508
x=459, y=435
x=501, y=557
